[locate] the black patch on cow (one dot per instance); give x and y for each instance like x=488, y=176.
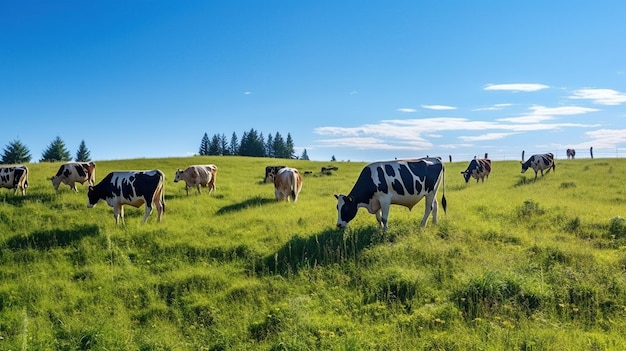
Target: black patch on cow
x=382, y=186
x=397, y=187
x=407, y=179
x=432, y=175
x=364, y=188
x=390, y=171
x=17, y=175
x=60, y=171
x=80, y=170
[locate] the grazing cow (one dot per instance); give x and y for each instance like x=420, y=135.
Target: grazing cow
x=197, y=175
x=270, y=172
x=479, y=168
x=399, y=182
x=287, y=184
x=539, y=162
x=571, y=153
x=133, y=188
x=75, y=172
x=14, y=177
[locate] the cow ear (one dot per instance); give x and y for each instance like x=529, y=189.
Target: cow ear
x=336, y=196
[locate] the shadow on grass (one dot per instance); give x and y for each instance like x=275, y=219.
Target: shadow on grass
x=47, y=239
x=19, y=200
x=328, y=247
x=252, y=202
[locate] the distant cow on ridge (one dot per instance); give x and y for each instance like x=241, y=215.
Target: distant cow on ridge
x=14, y=177
x=400, y=182
x=571, y=153
x=75, y=172
x=479, y=168
x=539, y=162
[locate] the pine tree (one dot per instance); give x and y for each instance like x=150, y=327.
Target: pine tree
x=83, y=154
x=224, y=150
x=56, y=151
x=279, y=146
x=204, y=145
x=234, y=144
x=15, y=152
x=289, y=147
x=269, y=146
x=304, y=156
x=214, y=146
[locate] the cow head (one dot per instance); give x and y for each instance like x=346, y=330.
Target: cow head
x=178, y=173
x=92, y=198
x=346, y=210
x=466, y=175
x=56, y=181
x=525, y=165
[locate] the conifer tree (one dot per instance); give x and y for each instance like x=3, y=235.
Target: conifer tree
x=16, y=152
x=304, y=156
x=83, y=154
x=56, y=151
x=214, y=146
x=234, y=144
x=204, y=145
x=289, y=147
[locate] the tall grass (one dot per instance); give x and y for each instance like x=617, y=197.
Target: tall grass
x=515, y=264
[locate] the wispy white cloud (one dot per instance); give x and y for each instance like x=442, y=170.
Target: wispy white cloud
x=415, y=133
x=407, y=110
x=526, y=87
x=439, y=107
x=354, y=92
x=540, y=114
x=486, y=137
x=247, y=92
x=600, y=96
x=495, y=107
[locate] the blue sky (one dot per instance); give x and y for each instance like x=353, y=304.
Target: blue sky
x=360, y=80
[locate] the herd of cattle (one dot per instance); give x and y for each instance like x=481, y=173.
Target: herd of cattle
x=379, y=185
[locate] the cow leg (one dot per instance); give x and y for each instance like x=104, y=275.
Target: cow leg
x=187, y=189
x=431, y=202
x=148, y=212
x=384, y=216
x=116, y=213
x=198, y=187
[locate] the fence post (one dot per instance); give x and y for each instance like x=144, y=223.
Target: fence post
x=523, y=155
x=450, y=158
x=591, y=152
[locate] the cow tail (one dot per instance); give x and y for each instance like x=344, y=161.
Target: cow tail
x=444, y=202
x=294, y=184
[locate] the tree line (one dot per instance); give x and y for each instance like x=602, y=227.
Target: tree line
x=16, y=152
x=252, y=143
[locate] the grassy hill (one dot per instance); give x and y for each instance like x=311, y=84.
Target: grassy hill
x=515, y=264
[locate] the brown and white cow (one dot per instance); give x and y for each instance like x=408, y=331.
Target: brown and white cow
x=133, y=188
x=399, y=182
x=479, y=169
x=75, y=172
x=270, y=172
x=287, y=184
x=197, y=175
x=14, y=177
x=539, y=162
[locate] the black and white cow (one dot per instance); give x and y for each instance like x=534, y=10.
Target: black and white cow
x=270, y=173
x=14, y=177
x=571, y=153
x=539, y=162
x=479, y=168
x=75, y=172
x=133, y=188
x=399, y=182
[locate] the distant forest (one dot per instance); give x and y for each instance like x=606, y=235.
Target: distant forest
x=252, y=143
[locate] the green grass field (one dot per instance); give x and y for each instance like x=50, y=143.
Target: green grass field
x=515, y=264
